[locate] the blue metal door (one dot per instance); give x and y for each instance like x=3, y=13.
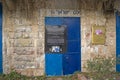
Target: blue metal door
x=53, y=64
x=72, y=59
x=1, y=69
x=53, y=61
x=118, y=42
x=69, y=61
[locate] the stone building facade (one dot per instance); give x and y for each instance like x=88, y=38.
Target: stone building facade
x=24, y=36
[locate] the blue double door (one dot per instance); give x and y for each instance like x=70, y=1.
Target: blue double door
x=69, y=61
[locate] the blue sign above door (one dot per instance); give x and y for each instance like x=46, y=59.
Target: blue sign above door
x=67, y=61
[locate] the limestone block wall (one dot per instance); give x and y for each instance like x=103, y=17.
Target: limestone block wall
x=23, y=37
x=88, y=50
x=23, y=42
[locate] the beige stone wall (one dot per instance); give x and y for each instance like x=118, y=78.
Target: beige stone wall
x=23, y=37
x=88, y=50
x=23, y=42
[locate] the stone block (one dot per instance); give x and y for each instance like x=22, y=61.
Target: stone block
x=110, y=28
x=39, y=72
x=24, y=65
x=101, y=21
x=11, y=42
x=40, y=43
x=111, y=49
x=11, y=35
x=85, y=56
x=18, y=35
x=32, y=72
x=40, y=60
x=35, y=20
x=24, y=43
x=10, y=51
x=42, y=13
x=110, y=42
x=41, y=28
x=92, y=20
x=111, y=35
x=111, y=22
x=9, y=29
x=26, y=35
x=23, y=29
x=41, y=35
x=33, y=35
x=19, y=21
x=8, y=21
x=104, y=50
x=40, y=50
x=35, y=28
x=24, y=50
x=93, y=55
x=24, y=58
x=27, y=72
x=84, y=63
